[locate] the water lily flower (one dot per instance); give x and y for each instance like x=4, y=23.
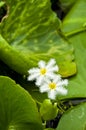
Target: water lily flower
x=54, y=87
x=44, y=71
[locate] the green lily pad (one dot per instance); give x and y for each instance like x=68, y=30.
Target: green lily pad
x=74, y=119
x=18, y=110
x=32, y=36
x=75, y=21
x=77, y=87
x=77, y=84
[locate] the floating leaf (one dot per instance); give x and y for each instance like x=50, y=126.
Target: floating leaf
x=74, y=119
x=17, y=108
x=32, y=36
x=73, y=27
x=75, y=20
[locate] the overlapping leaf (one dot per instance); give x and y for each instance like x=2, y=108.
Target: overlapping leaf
x=29, y=35
x=74, y=119
x=76, y=19
x=73, y=27
x=17, y=109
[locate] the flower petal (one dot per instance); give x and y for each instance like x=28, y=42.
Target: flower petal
x=52, y=94
x=41, y=64
x=63, y=83
x=50, y=75
x=39, y=80
x=61, y=90
x=33, y=76
x=54, y=69
x=51, y=63
x=44, y=88
x=33, y=70
x=57, y=78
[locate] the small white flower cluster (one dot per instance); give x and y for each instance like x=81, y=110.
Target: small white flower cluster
x=47, y=80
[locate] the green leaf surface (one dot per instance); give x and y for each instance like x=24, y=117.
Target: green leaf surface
x=32, y=36
x=75, y=21
x=74, y=119
x=77, y=84
x=32, y=89
x=18, y=110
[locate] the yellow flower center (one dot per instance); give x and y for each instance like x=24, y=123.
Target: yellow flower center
x=43, y=71
x=52, y=85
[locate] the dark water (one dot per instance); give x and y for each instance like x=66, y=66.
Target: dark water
x=3, y=11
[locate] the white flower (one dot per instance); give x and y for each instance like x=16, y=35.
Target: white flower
x=44, y=71
x=54, y=87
